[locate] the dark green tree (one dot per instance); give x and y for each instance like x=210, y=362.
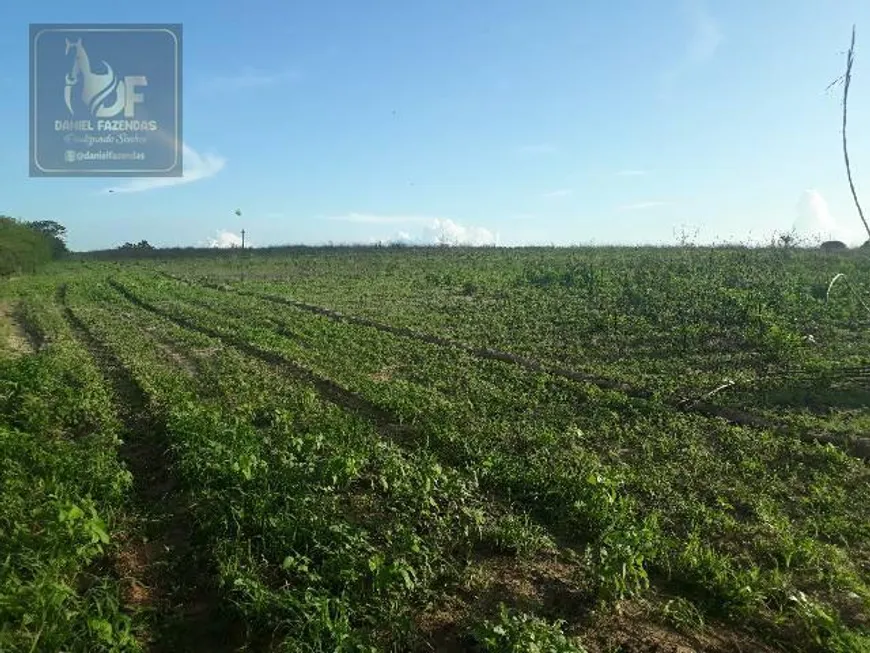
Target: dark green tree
x=54, y=231
x=50, y=228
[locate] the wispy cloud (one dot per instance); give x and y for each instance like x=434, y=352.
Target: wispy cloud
x=704, y=39
x=562, y=192
x=248, y=78
x=540, y=148
x=706, y=35
x=195, y=166
x=632, y=173
x=369, y=218
x=640, y=206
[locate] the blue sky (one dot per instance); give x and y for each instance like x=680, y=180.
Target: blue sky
x=526, y=122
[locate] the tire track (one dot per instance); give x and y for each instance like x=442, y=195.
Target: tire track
x=855, y=446
x=161, y=583
x=330, y=390
x=385, y=422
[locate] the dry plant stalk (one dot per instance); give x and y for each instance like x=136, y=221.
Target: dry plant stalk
x=847, y=79
x=855, y=294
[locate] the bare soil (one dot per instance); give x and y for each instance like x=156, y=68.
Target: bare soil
x=13, y=337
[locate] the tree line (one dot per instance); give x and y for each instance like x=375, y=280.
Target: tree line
x=24, y=246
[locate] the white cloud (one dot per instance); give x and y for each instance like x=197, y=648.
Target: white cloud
x=195, y=166
x=443, y=231
x=639, y=206
x=247, y=78
x=225, y=240
x=815, y=222
x=562, y=192
x=432, y=230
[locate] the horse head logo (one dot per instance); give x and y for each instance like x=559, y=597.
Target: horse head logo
x=96, y=87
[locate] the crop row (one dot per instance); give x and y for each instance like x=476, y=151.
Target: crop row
x=318, y=529
x=63, y=493
x=676, y=321
x=759, y=528
x=844, y=431
x=760, y=335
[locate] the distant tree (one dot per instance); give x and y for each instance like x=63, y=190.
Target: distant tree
x=142, y=244
x=49, y=228
x=54, y=231
x=832, y=245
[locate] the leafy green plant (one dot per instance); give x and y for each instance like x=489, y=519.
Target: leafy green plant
x=683, y=615
x=518, y=632
x=345, y=473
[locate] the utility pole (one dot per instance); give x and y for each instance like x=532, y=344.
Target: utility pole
x=243, y=239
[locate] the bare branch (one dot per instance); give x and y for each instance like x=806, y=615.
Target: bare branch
x=847, y=78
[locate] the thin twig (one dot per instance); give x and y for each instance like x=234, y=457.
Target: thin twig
x=693, y=402
x=847, y=78
x=725, y=385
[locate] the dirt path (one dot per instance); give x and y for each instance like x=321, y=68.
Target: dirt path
x=13, y=337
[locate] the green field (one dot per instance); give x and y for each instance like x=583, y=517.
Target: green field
x=437, y=449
